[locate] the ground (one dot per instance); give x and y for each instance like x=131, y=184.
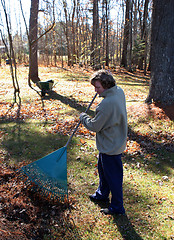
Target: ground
x=23, y=215
x=152, y=110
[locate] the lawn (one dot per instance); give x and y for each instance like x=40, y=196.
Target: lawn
x=40, y=127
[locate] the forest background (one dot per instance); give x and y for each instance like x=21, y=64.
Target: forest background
x=67, y=42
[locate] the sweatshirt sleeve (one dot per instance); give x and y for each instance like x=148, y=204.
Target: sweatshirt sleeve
x=95, y=124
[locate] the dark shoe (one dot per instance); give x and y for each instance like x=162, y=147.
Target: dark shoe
x=109, y=211
x=96, y=200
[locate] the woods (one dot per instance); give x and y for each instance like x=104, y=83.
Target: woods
x=96, y=34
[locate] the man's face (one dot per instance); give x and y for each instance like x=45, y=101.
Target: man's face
x=98, y=87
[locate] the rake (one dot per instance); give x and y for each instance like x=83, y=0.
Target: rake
x=48, y=175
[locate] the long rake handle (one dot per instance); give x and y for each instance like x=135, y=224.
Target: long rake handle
x=80, y=121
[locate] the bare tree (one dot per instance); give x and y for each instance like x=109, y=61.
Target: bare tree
x=33, y=39
x=11, y=56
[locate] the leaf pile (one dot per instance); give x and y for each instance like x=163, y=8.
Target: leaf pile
x=58, y=123
x=24, y=215
x=143, y=110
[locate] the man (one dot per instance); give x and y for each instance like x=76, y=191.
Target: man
x=110, y=125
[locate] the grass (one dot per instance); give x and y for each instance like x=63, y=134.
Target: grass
x=148, y=195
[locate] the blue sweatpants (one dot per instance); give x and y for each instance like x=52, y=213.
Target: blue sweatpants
x=110, y=171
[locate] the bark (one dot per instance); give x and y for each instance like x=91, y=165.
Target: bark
x=144, y=37
x=9, y=48
x=162, y=53
x=103, y=30
x=33, y=45
x=95, y=52
x=67, y=33
x=129, y=53
x=107, y=33
x=126, y=36
x=73, y=34
x=78, y=31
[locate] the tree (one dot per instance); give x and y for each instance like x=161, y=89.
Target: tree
x=162, y=53
x=95, y=45
x=105, y=33
x=9, y=48
x=124, y=62
x=33, y=38
x=143, y=59
x=33, y=29
x=66, y=30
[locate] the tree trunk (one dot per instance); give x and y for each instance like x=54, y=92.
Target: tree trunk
x=126, y=36
x=67, y=33
x=73, y=34
x=33, y=29
x=107, y=33
x=162, y=53
x=95, y=52
x=54, y=48
x=129, y=53
x=144, y=36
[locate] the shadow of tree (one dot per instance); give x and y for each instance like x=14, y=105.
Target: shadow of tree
x=148, y=145
x=134, y=76
x=133, y=84
x=79, y=106
x=25, y=143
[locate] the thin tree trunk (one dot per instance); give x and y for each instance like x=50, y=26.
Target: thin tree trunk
x=95, y=51
x=33, y=45
x=126, y=36
x=107, y=33
x=73, y=34
x=144, y=35
x=67, y=33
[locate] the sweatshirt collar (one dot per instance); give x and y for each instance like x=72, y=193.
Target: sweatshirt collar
x=109, y=92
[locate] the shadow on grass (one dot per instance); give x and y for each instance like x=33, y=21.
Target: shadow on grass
x=126, y=228
x=123, y=223
x=23, y=142
x=161, y=152
x=26, y=141
x=134, y=77
x=135, y=222
x=68, y=101
x=133, y=84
